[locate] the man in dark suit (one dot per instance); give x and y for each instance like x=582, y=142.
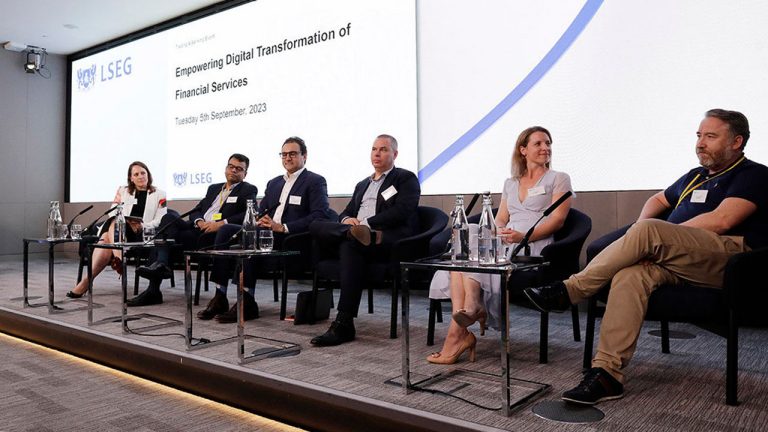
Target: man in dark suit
x=290, y=203
x=223, y=203
x=382, y=211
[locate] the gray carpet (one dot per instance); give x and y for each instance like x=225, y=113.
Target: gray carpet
x=681, y=391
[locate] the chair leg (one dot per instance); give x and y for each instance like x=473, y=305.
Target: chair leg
x=205, y=272
x=589, y=333
x=173, y=280
x=576, y=326
x=439, y=312
x=393, y=318
x=274, y=288
x=433, y=307
x=543, y=337
x=370, y=299
x=732, y=361
x=136, y=281
x=665, y=337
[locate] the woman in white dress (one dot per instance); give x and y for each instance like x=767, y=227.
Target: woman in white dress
x=531, y=189
x=140, y=199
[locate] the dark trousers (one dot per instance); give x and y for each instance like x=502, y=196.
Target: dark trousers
x=224, y=269
x=185, y=235
x=332, y=240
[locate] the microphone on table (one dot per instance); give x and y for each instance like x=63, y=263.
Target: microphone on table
x=526, y=238
x=259, y=215
x=69, y=225
x=91, y=229
x=163, y=228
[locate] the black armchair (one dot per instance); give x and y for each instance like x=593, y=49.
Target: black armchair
x=431, y=222
x=563, y=258
x=740, y=302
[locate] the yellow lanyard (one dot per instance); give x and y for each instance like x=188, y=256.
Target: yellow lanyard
x=222, y=197
x=691, y=187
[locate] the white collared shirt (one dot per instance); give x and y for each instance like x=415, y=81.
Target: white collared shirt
x=290, y=179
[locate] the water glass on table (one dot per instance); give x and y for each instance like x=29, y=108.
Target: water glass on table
x=76, y=231
x=149, y=233
x=266, y=240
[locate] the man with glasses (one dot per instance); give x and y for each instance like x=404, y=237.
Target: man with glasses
x=382, y=211
x=290, y=203
x=223, y=203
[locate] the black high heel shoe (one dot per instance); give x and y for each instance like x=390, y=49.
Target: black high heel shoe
x=75, y=295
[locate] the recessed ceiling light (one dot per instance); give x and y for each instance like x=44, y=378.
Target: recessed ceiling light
x=71, y=26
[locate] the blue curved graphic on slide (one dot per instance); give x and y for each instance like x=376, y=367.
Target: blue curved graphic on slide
x=561, y=46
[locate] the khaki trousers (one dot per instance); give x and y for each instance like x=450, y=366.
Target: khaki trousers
x=650, y=254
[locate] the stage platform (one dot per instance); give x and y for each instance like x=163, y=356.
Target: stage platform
x=355, y=386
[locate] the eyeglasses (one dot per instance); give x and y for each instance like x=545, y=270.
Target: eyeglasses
x=290, y=154
x=235, y=168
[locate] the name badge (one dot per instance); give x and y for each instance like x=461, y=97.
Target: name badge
x=538, y=190
x=216, y=217
x=389, y=193
x=294, y=199
x=231, y=200
x=699, y=196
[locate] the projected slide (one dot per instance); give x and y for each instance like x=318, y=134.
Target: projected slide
x=336, y=73
x=622, y=86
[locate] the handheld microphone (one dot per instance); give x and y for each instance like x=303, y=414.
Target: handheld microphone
x=526, y=238
x=69, y=225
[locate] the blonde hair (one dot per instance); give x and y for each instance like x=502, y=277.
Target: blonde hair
x=519, y=166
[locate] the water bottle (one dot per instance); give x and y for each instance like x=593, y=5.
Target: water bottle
x=248, y=240
x=459, y=233
x=486, y=234
x=54, y=220
x=120, y=225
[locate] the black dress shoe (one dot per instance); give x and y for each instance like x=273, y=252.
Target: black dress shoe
x=597, y=386
x=156, y=270
x=548, y=298
x=73, y=294
x=147, y=298
x=337, y=334
x=218, y=304
x=250, y=311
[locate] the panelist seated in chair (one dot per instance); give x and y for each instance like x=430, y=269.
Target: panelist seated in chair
x=224, y=202
x=292, y=200
x=140, y=199
x=717, y=210
x=532, y=188
x=382, y=211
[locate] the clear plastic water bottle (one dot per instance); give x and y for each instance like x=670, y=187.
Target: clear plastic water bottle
x=459, y=233
x=54, y=221
x=120, y=225
x=248, y=240
x=486, y=234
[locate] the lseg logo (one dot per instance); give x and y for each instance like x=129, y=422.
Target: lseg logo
x=88, y=77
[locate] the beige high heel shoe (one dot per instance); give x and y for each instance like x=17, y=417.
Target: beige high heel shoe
x=469, y=343
x=466, y=319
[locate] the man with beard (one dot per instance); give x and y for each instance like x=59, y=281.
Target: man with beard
x=715, y=211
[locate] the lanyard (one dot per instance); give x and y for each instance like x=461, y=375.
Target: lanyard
x=691, y=187
x=222, y=197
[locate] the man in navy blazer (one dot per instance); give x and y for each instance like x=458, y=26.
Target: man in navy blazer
x=223, y=203
x=382, y=211
x=291, y=202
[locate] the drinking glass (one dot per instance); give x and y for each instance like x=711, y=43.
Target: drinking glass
x=149, y=233
x=266, y=240
x=77, y=230
x=62, y=231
